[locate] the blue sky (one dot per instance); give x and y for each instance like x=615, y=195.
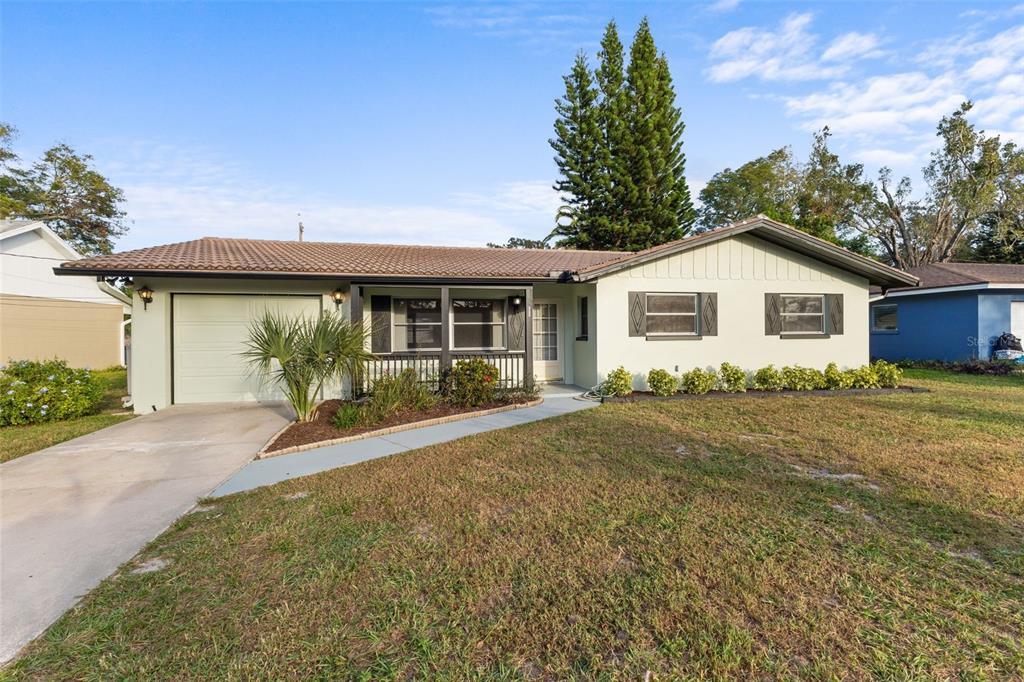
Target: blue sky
x=428, y=123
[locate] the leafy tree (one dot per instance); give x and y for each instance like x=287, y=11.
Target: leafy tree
x=619, y=152
x=65, y=192
x=992, y=244
x=521, y=243
x=768, y=185
x=973, y=180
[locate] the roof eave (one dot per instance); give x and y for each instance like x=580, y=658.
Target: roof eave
x=876, y=273
x=253, y=274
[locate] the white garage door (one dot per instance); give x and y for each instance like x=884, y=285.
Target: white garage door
x=209, y=337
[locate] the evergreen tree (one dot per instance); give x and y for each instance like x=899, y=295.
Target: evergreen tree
x=637, y=195
x=996, y=244
x=578, y=146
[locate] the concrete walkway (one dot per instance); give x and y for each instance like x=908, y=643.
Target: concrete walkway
x=71, y=514
x=558, y=400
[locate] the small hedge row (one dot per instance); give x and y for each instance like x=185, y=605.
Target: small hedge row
x=34, y=392
x=732, y=379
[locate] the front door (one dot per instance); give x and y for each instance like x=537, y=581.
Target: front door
x=547, y=341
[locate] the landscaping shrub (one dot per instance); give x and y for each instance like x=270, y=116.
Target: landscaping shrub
x=768, y=379
x=618, y=382
x=530, y=390
x=472, y=383
x=33, y=392
x=797, y=378
x=347, y=416
x=731, y=378
x=863, y=377
x=836, y=379
x=661, y=382
x=391, y=394
x=889, y=375
x=699, y=381
x=975, y=366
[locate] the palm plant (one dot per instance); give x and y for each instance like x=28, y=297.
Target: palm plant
x=301, y=354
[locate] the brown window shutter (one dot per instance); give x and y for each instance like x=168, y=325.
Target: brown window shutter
x=834, y=308
x=380, y=321
x=637, y=313
x=708, y=314
x=516, y=324
x=772, y=314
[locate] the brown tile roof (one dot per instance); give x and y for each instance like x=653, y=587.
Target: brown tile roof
x=251, y=256
x=936, y=275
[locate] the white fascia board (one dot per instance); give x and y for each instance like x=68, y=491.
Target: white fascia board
x=952, y=289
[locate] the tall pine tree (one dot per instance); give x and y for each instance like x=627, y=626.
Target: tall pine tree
x=637, y=197
x=578, y=144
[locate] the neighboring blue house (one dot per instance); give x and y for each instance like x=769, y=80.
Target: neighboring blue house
x=956, y=313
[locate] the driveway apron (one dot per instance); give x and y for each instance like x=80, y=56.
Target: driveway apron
x=72, y=513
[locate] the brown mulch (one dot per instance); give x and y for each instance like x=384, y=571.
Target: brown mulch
x=321, y=428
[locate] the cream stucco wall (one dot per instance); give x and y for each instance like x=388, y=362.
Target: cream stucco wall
x=151, y=329
x=741, y=270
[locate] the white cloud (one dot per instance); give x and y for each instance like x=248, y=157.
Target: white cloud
x=852, y=45
x=724, y=5
x=885, y=157
x=783, y=54
x=175, y=193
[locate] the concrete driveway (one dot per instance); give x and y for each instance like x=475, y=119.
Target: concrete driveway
x=71, y=514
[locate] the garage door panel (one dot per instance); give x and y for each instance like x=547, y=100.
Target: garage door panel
x=210, y=332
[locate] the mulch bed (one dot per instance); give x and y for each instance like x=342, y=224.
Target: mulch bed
x=638, y=396
x=321, y=428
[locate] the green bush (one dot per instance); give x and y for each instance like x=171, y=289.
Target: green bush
x=768, y=379
x=699, y=381
x=661, y=382
x=797, y=378
x=836, y=379
x=731, y=378
x=530, y=390
x=33, y=392
x=889, y=375
x=347, y=416
x=863, y=377
x=618, y=382
x=472, y=383
x=391, y=394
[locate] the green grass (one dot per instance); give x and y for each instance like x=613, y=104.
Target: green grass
x=16, y=441
x=686, y=538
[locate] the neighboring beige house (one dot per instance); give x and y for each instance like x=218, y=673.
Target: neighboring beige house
x=752, y=293
x=43, y=316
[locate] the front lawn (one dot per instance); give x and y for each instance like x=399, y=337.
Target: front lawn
x=809, y=537
x=16, y=441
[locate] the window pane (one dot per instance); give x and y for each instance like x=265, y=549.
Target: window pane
x=477, y=310
x=801, y=304
x=805, y=324
x=413, y=310
x=886, y=318
x=479, y=336
x=660, y=303
x=671, y=324
x=418, y=337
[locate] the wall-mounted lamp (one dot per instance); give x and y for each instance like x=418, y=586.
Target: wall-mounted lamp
x=146, y=294
x=338, y=296
x=517, y=301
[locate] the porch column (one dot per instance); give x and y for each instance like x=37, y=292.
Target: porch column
x=446, y=332
x=355, y=316
x=528, y=341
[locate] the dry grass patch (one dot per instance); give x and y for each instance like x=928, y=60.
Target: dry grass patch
x=682, y=538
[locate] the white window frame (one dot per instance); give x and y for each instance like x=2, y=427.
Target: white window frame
x=783, y=315
x=504, y=319
x=696, y=305
x=874, y=324
x=397, y=326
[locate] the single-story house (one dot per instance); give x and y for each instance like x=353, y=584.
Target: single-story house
x=42, y=316
x=956, y=313
x=752, y=293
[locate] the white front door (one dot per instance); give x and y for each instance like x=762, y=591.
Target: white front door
x=1017, y=319
x=547, y=341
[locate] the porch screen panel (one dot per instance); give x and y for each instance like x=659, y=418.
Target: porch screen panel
x=478, y=324
x=417, y=324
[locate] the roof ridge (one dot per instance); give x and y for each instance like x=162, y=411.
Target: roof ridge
x=386, y=244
